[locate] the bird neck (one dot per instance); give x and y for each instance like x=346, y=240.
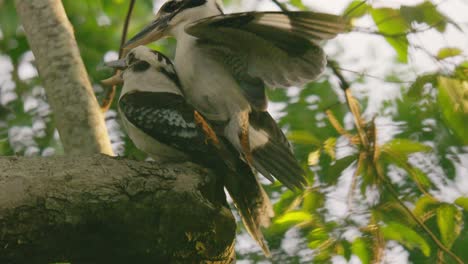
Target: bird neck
x=149, y=82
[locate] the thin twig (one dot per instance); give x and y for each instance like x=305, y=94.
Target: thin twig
x=333, y=65
x=109, y=91
x=123, y=39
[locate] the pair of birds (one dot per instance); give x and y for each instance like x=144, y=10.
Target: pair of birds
x=210, y=105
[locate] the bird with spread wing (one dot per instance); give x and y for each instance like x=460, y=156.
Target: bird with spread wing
x=226, y=61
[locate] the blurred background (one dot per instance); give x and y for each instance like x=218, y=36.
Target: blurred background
x=407, y=68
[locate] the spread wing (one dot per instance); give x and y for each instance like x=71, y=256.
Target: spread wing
x=279, y=48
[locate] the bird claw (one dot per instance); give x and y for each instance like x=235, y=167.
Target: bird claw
x=207, y=130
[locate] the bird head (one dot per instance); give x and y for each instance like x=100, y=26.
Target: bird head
x=172, y=18
x=145, y=69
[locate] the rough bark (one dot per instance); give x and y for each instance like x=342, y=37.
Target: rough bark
x=69, y=91
x=100, y=209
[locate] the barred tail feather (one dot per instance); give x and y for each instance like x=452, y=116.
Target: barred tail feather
x=252, y=203
x=274, y=160
x=272, y=153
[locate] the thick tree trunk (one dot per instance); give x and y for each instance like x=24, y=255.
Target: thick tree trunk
x=109, y=210
x=69, y=92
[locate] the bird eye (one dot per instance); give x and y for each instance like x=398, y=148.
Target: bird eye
x=140, y=66
x=171, y=6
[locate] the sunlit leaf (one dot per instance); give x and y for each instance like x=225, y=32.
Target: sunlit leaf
x=394, y=28
x=312, y=201
x=293, y=217
x=285, y=201
x=329, y=147
x=406, y=236
x=424, y=205
x=303, y=137
x=403, y=147
x=298, y=4
x=453, y=101
x=448, y=52
x=360, y=249
x=287, y=221
x=461, y=71
x=356, y=9
x=318, y=237
x=449, y=222
x=313, y=158
x=463, y=202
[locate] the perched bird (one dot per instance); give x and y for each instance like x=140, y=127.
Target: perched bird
x=161, y=123
x=224, y=63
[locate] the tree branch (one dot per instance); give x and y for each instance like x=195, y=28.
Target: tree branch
x=76, y=110
x=101, y=209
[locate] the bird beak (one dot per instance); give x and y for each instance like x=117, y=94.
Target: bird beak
x=117, y=64
x=117, y=78
x=114, y=80
x=150, y=33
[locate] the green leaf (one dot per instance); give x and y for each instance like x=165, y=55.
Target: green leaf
x=313, y=158
x=293, y=218
x=335, y=170
x=416, y=89
x=288, y=220
x=298, y=4
x=397, y=151
x=360, y=249
x=356, y=9
x=425, y=12
x=8, y=19
x=406, y=236
x=424, y=205
x=394, y=28
x=312, y=201
x=448, y=52
x=403, y=147
x=461, y=71
x=317, y=237
x=463, y=202
x=449, y=222
x=285, y=201
x=329, y=147
x=303, y=137
x=453, y=101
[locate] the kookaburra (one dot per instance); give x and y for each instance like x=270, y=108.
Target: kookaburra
x=224, y=63
x=161, y=123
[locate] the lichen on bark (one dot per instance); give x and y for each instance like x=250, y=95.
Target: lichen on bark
x=100, y=209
